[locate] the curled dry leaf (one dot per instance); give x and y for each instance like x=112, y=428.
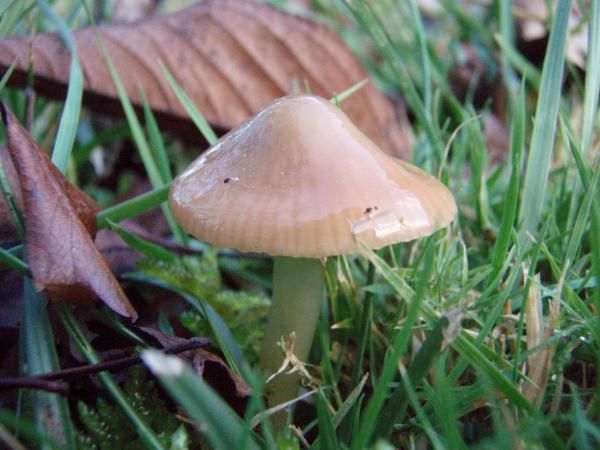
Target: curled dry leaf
x=232, y=57
x=211, y=368
x=539, y=364
x=59, y=222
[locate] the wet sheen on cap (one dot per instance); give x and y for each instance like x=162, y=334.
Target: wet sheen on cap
x=299, y=179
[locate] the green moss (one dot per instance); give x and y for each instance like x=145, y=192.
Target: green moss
x=106, y=427
x=243, y=312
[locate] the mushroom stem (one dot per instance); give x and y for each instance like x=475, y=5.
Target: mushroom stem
x=297, y=293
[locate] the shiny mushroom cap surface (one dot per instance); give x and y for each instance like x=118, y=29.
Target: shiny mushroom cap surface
x=299, y=179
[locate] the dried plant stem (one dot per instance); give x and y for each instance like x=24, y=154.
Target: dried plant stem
x=45, y=381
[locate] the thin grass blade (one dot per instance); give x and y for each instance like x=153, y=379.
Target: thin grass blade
x=592, y=78
x=25, y=428
x=511, y=199
x=326, y=428
x=156, y=142
x=196, y=116
x=544, y=128
x=221, y=425
x=133, y=207
x=147, y=435
x=67, y=128
x=11, y=261
x=6, y=76
x=143, y=245
x=399, y=344
x=395, y=408
x=51, y=411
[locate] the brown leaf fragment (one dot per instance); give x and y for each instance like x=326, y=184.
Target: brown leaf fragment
x=232, y=58
x=59, y=221
x=211, y=368
x=539, y=364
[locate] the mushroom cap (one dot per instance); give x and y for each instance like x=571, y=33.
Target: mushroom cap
x=299, y=179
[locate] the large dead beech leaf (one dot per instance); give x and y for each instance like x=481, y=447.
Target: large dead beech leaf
x=232, y=57
x=59, y=222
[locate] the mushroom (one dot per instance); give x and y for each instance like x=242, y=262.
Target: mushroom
x=300, y=182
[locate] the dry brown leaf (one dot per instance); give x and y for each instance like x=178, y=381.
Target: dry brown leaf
x=232, y=57
x=59, y=220
x=539, y=363
x=211, y=368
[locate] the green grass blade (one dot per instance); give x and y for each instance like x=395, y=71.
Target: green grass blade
x=444, y=403
x=511, y=199
x=27, y=429
x=12, y=11
x=147, y=436
x=67, y=128
x=327, y=436
x=544, y=129
x=220, y=424
x=507, y=25
x=191, y=109
x=395, y=408
x=51, y=411
x=137, y=131
x=133, y=207
x=478, y=360
x=585, y=209
x=368, y=19
x=138, y=135
x=7, y=75
x=592, y=78
x=156, y=141
x=143, y=245
x=424, y=54
x=352, y=402
x=338, y=99
x=528, y=71
x=398, y=348
x=364, y=333
x=10, y=260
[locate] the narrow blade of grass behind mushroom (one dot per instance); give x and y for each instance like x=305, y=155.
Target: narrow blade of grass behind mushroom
x=133, y=207
x=67, y=128
x=139, y=137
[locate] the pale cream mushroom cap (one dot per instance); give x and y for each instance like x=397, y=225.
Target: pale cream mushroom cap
x=299, y=179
